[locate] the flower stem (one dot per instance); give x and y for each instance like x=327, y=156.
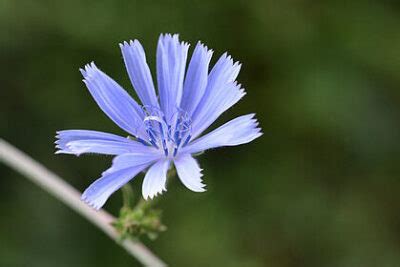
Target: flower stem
x=68, y=195
x=127, y=196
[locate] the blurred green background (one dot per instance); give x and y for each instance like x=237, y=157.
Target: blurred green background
x=319, y=188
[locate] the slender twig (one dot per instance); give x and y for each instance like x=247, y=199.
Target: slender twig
x=68, y=195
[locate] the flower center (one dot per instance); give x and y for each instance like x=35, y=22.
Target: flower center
x=168, y=134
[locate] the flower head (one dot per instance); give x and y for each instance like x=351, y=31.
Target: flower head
x=166, y=129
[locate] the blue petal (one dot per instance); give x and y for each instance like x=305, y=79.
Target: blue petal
x=114, y=101
x=189, y=172
x=99, y=191
x=123, y=169
x=139, y=72
x=84, y=141
x=171, y=62
x=155, y=179
x=221, y=93
x=134, y=158
x=238, y=131
x=196, y=78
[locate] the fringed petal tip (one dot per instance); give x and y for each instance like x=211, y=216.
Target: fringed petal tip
x=169, y=36
x=94, y=203
x=172, y=39
x=254, y=123
x=149, y=197
x=69, y=148
x=88, y=70
x=205, y=48
x=131, y=43
x=61, y=144
x=198, y=187
x=126, y=43
x=91, y=72
x=127, y=46
x=190, y=173
x=154, y=182
x=230, y=64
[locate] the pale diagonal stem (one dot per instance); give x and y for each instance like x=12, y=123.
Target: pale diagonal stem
x=68, y=195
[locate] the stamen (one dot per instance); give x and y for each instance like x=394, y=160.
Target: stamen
x=152, y=138
x=143, y=142
x=187, y=140
x=164, y=142
x=167, y=134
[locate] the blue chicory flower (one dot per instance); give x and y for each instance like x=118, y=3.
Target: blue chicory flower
x=165, y=129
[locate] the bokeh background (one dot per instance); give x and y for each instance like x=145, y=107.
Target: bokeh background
x=319, y=188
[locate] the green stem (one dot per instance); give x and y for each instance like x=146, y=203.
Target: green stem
x=127, y=196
